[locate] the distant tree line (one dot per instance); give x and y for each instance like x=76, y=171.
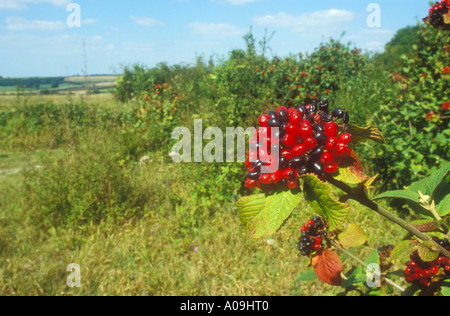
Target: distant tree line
x=31, y=82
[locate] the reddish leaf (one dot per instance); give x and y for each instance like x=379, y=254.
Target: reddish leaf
x=351, y=170
x=328, y=267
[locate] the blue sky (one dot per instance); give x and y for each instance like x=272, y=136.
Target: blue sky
x=35, y=39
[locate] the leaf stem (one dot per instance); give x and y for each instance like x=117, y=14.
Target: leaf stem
x=358, y=194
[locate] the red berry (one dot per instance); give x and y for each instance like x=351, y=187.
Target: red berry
x=266, y=178
x=333, y=168
x=289, y=174
x=331, y=143
x=264, y=119
x=305, y=130
x=447, y=267
x=277, y=176
x=293, y=184
x=441, y=260
x=319, y=240
x=250, y=184
x=416, y=276
x=310, y=222
x=426, y=273
x=411, y=264
x=331, y=129
x=408, y=271
x=291, y=129
x=317, y=246
x=289, y=140
x=341, y=149
x=409, y=279
x=287, y=154
x=435, y=270
x=310, y=143
x=299, y=150
x=345, y=138
x=295, y=118
x=327, y=158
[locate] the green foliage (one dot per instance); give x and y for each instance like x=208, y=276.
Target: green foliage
x=412, y=117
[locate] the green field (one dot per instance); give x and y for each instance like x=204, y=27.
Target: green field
x=102, y=84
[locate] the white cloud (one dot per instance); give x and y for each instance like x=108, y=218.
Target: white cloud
x=371, y=39
x=311, y=24
x=146, y=21
x=216, y=30
x=23, y=4
x=21, y=24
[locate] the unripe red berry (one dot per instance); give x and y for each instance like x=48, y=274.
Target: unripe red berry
x=264, y=119
x=345, y=138
x=295, y=118
x=299, y=150
x=332, y=168
x=277, y=176
x=305, y=130
x=310, y=143
x=435, y=270
x=327, y=158
x=331, y=129
x=287, y=154
x=293, y=184
x=289, y=174
x=289, y=140
x=250, y=184
x=291, y=129
x=266, y=178
x=331, y=144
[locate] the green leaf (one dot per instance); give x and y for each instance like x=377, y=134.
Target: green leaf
x=360, y=134
x=428, y=185
x=442, y=199
x=352, y=237
x=355, y=277
x=263, y=215
x=399, y=194
x=427, y=252
x=351, y=171
x=445, y=288
x=405, y=247
x=373, y=258
x=318, y=195
x=308, y=275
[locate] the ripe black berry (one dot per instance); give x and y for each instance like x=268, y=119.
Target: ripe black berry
x=323, y=105
x=314, y=236
x=338, y=113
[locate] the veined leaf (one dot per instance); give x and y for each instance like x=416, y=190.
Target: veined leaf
x=351, y=171
x=428, y=185
x=318, y=195
x=352, y=237
x=263, y=215
x=360, y=134
x=328, y=267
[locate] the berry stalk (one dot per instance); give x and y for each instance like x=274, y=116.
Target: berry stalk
x=359, y=195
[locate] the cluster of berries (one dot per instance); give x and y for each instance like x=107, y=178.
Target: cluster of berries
x=428, y=275
x=314, y=236
x=435, y=16
x=297, y=141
